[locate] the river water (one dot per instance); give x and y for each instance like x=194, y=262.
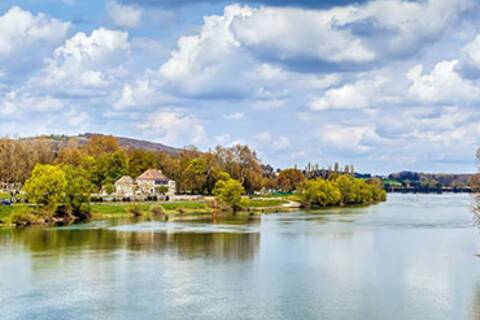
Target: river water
x=413, y=257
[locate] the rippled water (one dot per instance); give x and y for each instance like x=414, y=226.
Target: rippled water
x=413, y=257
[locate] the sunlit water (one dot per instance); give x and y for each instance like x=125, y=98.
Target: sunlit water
x=413, y=257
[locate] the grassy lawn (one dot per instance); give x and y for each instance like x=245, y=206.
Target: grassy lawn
x=261, y=203
x=112, y=209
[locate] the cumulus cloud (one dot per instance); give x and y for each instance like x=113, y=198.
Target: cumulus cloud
x=174, y=127
x=442, y=85
x=25, y=38
x=85, y=63
x=16, y=104
x=124, y=15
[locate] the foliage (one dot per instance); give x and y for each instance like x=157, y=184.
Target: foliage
x=288, y=179
x=46, y=186
x=157, y=210
x=229, y=192
x=162, y=189
x=319, y=192
x=24, y=217
x=343, y=190
x=78, y=190
x=135, y=210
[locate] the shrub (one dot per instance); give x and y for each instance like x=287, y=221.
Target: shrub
x=135, y=210
x=24, y=217
x=157, y=210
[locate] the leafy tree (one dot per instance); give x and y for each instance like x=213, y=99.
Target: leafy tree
x=100, y=144
x=46, y=186
x=139, y=161
x=229, y=192
x=289, y=179
x=319, y=192
x=348, y=187
x=77, y=191
x=162, y=189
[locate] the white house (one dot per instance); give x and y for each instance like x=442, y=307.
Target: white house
x=152, y=181
x=125, y=187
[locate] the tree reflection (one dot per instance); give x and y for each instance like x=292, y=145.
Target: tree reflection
x=59, y=242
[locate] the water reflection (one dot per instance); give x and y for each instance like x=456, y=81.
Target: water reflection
x=410, y=258
x=75, y=239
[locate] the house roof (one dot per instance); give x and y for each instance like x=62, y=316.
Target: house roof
x=124, y=179
x=152, y=174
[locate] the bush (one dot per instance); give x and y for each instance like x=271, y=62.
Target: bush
x=24, y=217
x=135, y=210
x=157, y=210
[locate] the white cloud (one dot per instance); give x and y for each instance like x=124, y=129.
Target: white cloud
x=361, y=94
x=86, y=64
x=139, y=94
x=346, y=137
x=20, y=29
x=15, y=104
x=442, y=85
x=234, y=116
x=174, y=127
x=124, y=15
x=25, y=39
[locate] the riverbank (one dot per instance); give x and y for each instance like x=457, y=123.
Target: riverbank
x=172, y=211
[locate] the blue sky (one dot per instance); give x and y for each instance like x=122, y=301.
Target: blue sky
x=386, y=85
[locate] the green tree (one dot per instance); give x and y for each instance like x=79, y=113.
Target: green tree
x=77, y=191
x=319, y=193
x=46, y=186
x=229, y=192
x=348, y=187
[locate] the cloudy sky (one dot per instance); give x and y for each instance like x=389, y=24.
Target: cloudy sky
x=385, y=85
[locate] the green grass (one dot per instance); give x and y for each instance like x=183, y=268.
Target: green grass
x=261, y=203
x=393, y=183
x=185, y=205
x=107, y=210
x=7, y=211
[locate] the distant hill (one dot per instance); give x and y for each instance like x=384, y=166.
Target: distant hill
x=129, y=143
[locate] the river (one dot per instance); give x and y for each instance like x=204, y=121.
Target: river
x=412, y=257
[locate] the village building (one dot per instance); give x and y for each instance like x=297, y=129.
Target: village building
x=154, y=183
x=150, y=183
x=125, y=187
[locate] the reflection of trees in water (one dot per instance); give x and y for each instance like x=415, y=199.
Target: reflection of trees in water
x=60, y=242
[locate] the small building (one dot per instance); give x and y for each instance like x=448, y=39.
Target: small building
x=125, y=187
x=154, y=183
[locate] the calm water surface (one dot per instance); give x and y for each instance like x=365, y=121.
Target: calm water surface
x=413, y=257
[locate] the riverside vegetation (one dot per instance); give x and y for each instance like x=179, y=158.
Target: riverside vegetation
x=58, y=183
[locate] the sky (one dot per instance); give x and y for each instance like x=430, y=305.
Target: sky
x=386, y=85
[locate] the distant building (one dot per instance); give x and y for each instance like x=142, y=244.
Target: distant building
x=125, y=187
x=150, y=183
x=153, y=182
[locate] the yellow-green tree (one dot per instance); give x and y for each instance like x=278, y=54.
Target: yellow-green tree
x=229, y=192
x=46, y=186
x=77, y=191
